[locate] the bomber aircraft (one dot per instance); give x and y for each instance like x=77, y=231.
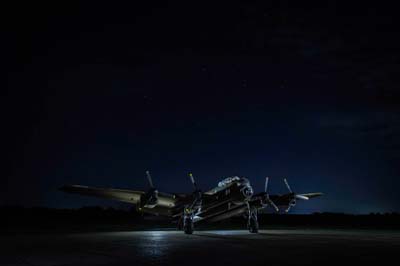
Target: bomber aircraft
x=233, y=196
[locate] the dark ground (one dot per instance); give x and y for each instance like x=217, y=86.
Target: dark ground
x=269, y=247
x=97, y=236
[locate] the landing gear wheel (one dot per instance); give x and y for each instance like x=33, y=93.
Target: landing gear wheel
x=179, y=225
x=188, y=225
x=253, y=226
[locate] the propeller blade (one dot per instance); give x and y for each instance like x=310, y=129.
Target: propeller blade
x=149, y=178
x=287, y=185
x=288, y=209
x=312, y=195
x=266, y=185
x=193, y=182
x=273, y=205
x=302, y=197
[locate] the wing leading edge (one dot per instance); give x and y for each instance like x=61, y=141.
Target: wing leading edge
x=124, y=195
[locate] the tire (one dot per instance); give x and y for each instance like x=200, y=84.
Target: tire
x=179, y=225
x=253, y=226
x=254, y=230
x=188, y=226
x=188, y=230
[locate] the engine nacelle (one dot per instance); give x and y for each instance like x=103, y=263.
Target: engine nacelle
x=292, y=203
x=149, y=199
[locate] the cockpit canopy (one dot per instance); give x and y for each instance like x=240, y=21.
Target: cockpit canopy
x=233, y=179
x=228, y=182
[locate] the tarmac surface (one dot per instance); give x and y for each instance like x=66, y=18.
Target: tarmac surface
x=269, y=247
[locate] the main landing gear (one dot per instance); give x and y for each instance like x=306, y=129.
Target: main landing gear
x=188, y=221
x=190, y=210
x=252, y=221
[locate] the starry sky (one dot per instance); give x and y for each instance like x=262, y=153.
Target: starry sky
x=98, y=94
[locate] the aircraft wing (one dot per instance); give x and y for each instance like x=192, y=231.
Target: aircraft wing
x=124, y=195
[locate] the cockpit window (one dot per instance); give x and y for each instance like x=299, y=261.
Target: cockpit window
x=228, y=181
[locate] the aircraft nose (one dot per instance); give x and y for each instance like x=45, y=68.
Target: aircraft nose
x=247, y=191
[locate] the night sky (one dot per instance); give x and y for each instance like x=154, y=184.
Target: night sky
x=98, y=94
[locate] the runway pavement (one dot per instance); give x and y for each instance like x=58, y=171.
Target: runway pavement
x=269, y=247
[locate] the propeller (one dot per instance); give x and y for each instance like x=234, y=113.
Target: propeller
x=197, y=195
x=287, y=185
x=193, y=181
x=149, y=178
x=294, y=196
x=270, y=202
x=150, y=198
x=297, y=196
x=302, y=197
